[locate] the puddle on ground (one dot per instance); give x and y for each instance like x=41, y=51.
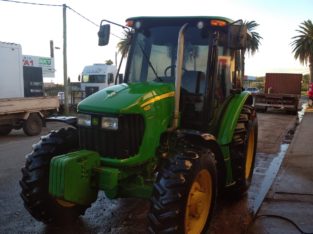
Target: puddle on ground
x=269, y=178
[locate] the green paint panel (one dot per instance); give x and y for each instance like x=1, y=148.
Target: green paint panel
x=123, y=98
x=136, y=188
x=71, y=177
x=119, y=183
x=153, y=100
x=108, y=180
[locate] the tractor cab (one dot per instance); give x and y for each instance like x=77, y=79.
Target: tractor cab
x=210, y=68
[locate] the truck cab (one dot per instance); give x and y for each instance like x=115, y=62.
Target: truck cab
x=96, y=77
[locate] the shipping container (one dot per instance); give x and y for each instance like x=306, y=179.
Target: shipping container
x=282, y=91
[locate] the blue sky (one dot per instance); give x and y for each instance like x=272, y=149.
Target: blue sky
x=34, y=26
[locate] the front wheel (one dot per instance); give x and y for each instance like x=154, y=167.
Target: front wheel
x=35, y=181
x=184, y=194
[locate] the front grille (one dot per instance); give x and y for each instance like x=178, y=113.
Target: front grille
x=122, y=143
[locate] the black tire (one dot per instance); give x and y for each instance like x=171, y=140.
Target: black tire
x=243, y=150
x=172, y=206
x=35, y=180
x=5, y=130
x=33, y=125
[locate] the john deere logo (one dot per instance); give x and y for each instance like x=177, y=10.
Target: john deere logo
x=95, y=121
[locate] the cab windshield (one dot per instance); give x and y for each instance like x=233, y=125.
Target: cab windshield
x=154, y=50
x=94, y=78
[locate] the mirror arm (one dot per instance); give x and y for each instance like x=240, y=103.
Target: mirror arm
x=111, y=22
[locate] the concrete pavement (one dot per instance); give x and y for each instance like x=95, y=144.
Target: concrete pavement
x=288, y=206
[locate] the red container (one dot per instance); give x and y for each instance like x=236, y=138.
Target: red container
x=283, y=83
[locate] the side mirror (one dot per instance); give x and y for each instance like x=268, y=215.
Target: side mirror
x=237, y=36
x=79, y=78
x=104, y=35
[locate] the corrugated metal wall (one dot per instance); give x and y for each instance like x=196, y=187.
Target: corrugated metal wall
x=283, y=83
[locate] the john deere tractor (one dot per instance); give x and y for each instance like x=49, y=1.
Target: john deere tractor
x=179, y=130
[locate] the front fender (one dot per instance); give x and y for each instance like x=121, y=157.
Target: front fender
x=207, y=140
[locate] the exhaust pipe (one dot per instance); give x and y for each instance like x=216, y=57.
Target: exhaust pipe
x=178, y=78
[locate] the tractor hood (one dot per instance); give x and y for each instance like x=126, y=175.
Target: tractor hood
x=127, y=98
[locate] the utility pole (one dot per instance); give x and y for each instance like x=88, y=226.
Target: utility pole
x=51, y=49
x=65, y=62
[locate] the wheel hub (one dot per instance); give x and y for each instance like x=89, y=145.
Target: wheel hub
x=64, y=203
x=198, y=203
x=249, y=154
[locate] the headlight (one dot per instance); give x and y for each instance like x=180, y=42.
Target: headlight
x=84, y=120
x=109, y=123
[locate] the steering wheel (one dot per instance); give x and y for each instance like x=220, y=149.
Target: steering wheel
x=170, y=67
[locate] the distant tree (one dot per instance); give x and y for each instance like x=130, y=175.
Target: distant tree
x=108, y=62
x=303, y=45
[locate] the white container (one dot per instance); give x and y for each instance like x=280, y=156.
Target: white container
x=11, y=71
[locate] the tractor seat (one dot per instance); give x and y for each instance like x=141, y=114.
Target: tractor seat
x=193, y=82
x=192, y=99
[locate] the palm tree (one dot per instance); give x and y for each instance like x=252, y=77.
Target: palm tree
x=303, y=45
x=123, y=48
x=124, y=43
x=253, y=41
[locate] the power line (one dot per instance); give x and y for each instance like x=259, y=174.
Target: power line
x=55, y=5
x=82, y=16
x=51, y=5
x=89, y=20
x=32, y=3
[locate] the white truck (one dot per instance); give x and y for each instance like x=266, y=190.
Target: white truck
x=97, y=77
x=92, y=79
x=22, y=104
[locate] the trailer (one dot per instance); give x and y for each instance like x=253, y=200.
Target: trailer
x=28, y=113
x=22, y=104
x=281, y=91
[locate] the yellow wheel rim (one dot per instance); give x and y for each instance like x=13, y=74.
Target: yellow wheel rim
x=65, y=203
x=198, y=203
x=250, y=153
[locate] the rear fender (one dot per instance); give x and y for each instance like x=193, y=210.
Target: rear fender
x=230, y=117
x=227, y=127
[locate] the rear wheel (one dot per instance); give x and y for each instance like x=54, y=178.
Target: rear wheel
x=184, y=194
x=35, y=180
x=33, y=125
x=243, y=150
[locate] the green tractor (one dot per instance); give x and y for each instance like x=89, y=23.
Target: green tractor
x=178, y=131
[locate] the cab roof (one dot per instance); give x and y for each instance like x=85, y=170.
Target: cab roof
x=178, y=19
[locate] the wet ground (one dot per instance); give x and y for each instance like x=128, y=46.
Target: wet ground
x=129, y=215
x=275, y=130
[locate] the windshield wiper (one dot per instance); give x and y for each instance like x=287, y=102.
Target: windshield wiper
x=150, y=64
